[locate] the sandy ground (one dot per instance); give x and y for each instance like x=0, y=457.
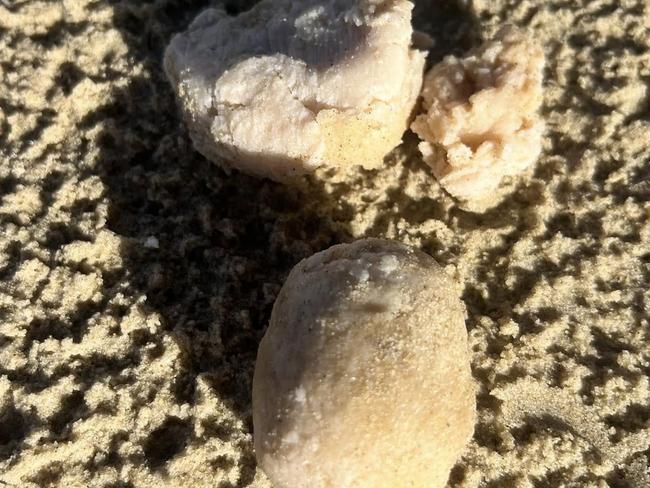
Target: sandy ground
x=136, y=278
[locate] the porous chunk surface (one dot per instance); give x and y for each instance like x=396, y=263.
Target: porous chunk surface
x=363, y=377
x=481, y=122
x=288, y=86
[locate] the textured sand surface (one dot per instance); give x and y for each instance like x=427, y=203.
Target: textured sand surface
x=136, y=278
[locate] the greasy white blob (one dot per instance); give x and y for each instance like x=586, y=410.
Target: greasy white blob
x=290, y=86
x=481, y=122
x=363, y=379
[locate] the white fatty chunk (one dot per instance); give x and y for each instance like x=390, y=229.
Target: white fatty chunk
x=291, y=86
x=363, y=377
x=481, y=122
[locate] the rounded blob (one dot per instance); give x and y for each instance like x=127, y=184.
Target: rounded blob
x=290, y=86
x=363, y=376
x=481, y=122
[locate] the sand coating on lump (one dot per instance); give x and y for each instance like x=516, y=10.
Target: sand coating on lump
x=363, y=377
x=291, y=86
x=481, y=122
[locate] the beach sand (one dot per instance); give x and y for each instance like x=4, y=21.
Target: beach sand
x=137, y=278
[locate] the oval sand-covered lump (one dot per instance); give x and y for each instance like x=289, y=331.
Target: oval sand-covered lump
x=363, y=377
x=289, y=86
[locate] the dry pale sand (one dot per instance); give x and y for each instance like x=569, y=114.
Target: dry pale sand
x=136, y=278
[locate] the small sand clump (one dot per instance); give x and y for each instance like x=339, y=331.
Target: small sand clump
x=363, y=377
x=287, y=87
x=481, y=122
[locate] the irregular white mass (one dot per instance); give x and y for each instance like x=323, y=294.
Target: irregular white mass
x=481, y=122
x=289, y=86
x=363, y=377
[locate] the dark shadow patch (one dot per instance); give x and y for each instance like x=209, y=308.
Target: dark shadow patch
x=50, y=185
x=535, y=321
x=111, y=458
x=450, y=23
x=60, y=234
x=79, y=320
x=8, y=184
x=97, y=367
x=503, y=481
x=73, y=408
x=58, y=33
x=486, y=436
x=82, y=206
x=247, y=465
x=13, y=429
x=533, y=426
x=31, y=381
x=68, y=76
x=14, y=259
x=551, y=479
x=216, y=428
x=44, y=120
x=42, y=329
x=119, y=484
x=603, y=368
x=166, y=441
x=573, y=226
x=13, y=6
x=457, y=475
x=75, y=326
x=226, y=242
x=222, y=463
x=47, y=476
x=237, y=7
x=633, y=419
x=617, y=479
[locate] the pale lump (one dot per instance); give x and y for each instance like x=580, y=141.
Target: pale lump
x=481, y=122
x=288, y=86
x=363, y=377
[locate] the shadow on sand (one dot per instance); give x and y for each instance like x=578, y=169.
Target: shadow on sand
x=225, y=242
